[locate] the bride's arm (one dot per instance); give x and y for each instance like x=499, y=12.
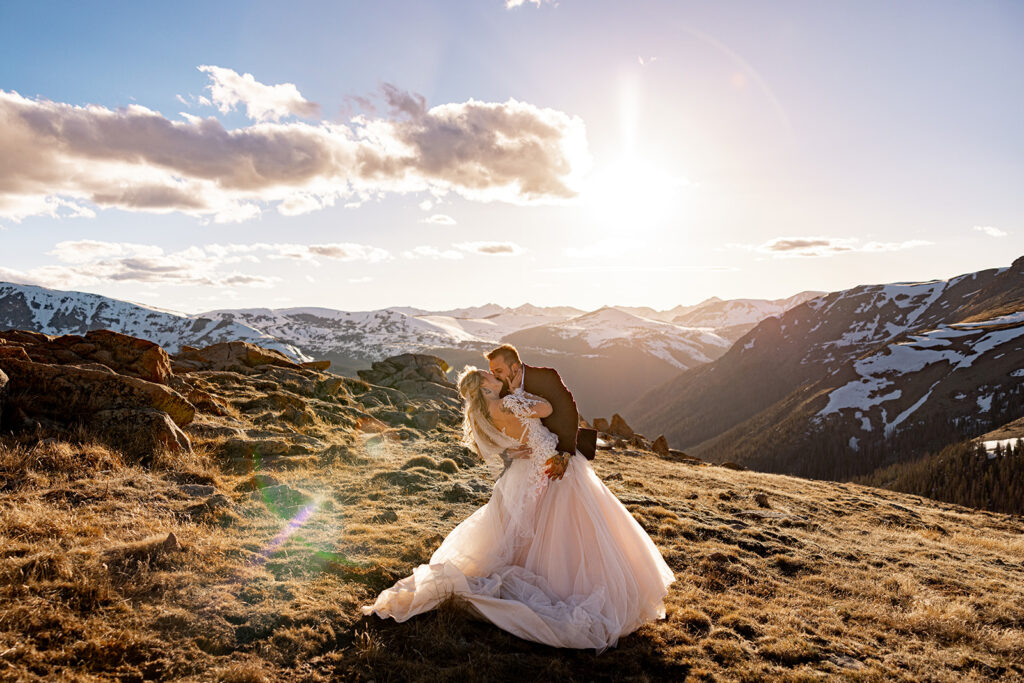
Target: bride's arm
x=526, y=405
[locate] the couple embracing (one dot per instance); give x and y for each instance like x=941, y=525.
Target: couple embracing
x=553, y=556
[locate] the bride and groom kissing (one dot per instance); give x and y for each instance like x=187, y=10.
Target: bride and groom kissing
x=553, y=556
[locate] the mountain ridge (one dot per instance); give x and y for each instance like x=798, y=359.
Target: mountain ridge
x=803, y=382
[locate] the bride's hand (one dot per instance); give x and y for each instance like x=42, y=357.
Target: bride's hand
x=520, y=452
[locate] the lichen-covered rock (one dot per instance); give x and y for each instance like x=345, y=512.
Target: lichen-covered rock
x=415, y=375
x=139, y=433
x=425, y=419
x=124, y=354
x=65, y=392
x=235, y=356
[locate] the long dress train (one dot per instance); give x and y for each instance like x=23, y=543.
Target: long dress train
x=560, y=562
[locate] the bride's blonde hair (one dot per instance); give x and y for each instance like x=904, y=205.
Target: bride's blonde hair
x=470, y=384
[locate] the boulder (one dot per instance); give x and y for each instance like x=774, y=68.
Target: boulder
x=64, y=393
x=11, y=351
x=234, y=356
x=601, y=424
x=426, y=419
x=393, y=418
x=458, y=493
x=370, y=425
x=320, y=365
x=413, y=374
x=638, y=441
x=209, y=430
x=618, y=427
x=124, y=354
x=139, y=433
x=660, y=446
x=237, y=448
x=299, y=417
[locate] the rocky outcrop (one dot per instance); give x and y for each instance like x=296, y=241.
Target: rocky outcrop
x=258, y=408
x=121, y=353
x=139, y=433
x=416, y=375
x=66, y=392
x=126, y=412
x=619, y=427
x=235, y=356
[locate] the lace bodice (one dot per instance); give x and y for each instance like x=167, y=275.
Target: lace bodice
x=543, y=444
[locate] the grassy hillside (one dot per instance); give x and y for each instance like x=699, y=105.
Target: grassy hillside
x=777, y=577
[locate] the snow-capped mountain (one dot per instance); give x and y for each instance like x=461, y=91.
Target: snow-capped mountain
x=831, y=384
x=735, y=317
x=607, y=328
x=27, y=307
x=611, y=356
x=978, y=361
x=606, y=341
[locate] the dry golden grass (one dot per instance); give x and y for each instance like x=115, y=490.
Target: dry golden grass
x=829, y=582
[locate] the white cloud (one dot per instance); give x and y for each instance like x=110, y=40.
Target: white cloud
x=511, y=4
x=438, y=219
x=262, y=102
x=64, y=160
x=89, y=262
x=359, y=280
x=335, y=251
x=990, y=231
x=815, y=246
x=491, y=248
x=426, y=205
x=83, y=251
x=432, y=252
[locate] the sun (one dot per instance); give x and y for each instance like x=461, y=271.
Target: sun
x=633, y=195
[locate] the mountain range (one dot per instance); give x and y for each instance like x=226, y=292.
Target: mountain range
x=609, y=356
x=842, y=384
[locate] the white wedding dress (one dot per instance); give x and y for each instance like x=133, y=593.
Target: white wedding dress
x=559, y=562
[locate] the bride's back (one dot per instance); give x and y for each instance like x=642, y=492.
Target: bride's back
x=508, y=423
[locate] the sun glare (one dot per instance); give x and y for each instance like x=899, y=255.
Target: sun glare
x=633, y=195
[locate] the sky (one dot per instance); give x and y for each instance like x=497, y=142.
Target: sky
x=354, y=155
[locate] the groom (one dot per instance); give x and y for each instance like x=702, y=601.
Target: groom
x=564, y=419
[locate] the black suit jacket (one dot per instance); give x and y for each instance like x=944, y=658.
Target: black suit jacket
x=564, y=419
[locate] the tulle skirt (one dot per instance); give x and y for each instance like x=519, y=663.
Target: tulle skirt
x=583, y=574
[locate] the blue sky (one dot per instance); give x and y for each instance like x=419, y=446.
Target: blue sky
x=688, y=150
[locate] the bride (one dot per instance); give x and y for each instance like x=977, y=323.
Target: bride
x=559, y=562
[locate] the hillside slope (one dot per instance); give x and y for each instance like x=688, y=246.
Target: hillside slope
x=246, y=553
x=843, y=374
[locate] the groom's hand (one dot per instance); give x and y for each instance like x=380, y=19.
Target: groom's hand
x=557, y=464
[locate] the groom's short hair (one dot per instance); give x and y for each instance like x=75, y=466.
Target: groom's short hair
x=506, y=352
